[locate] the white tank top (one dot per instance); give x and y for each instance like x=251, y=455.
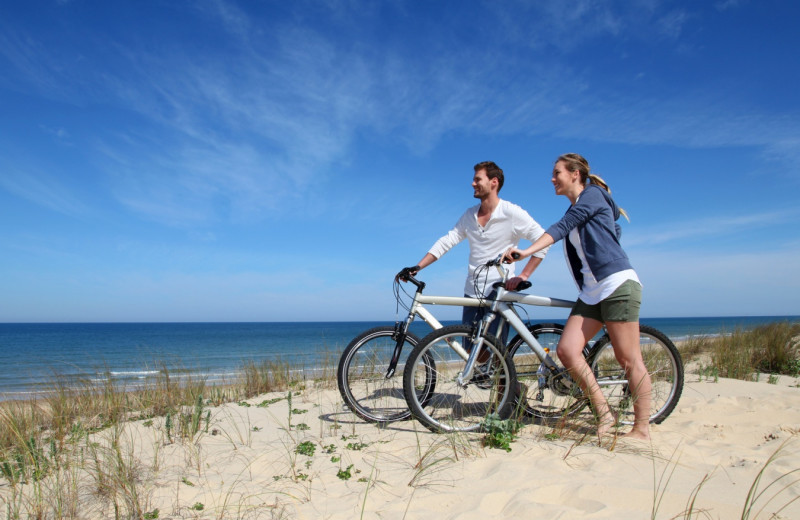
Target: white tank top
x=594, y=291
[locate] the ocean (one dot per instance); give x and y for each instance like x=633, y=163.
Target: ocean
x=35, y=354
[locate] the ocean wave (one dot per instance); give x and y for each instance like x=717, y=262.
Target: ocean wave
x=133, y=373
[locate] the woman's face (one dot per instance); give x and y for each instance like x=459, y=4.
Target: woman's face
x=563, y=179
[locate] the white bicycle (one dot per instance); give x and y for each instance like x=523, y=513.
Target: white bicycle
x=458, y=375
x=369, y=374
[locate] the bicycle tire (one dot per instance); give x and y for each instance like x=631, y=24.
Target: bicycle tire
x=361, y=375
x=663, y=362
x=450, y=406
x=540, y=394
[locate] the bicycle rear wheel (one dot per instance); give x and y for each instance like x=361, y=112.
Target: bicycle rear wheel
x=361, y=375
x=543, y=394
x=454, y=406
x=663, y=363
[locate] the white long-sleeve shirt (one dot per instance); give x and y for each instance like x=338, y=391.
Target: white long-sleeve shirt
x=507, y=225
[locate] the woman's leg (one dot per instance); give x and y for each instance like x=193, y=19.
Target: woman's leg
x=625, y=338
x=577, y=332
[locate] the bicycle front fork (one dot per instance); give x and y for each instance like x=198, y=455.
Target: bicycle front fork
x=399, y=335
x=477, y=346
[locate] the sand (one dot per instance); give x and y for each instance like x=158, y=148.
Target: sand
x=711, y=449
x=244, y=463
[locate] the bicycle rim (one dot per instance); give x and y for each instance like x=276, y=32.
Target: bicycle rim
x=663, y=363
x=361, y=376
x=452, y=406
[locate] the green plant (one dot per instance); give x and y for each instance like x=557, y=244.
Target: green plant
x=197, y=415
x=187, y=482
x=168, y=426
x=267, y=402
x=356, y=446
x=302, y=427
x=151, y=515
x=306, y=448
x=11, y=471
x=198, y=506
x=500, y=433
x=345, y=474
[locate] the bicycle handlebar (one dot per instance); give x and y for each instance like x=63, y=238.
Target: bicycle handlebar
x=406, y=274
x=498, y=262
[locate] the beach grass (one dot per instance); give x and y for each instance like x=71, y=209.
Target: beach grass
x=46, y=453
x=746, y=354
x=73, y=442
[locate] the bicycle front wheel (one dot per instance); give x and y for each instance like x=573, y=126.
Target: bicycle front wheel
x=455, y=405
x=663, y=363
x=542, y=393
x=362, y=375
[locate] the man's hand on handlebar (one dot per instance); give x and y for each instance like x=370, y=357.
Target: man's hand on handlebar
x=405, y=272
x=513, y=283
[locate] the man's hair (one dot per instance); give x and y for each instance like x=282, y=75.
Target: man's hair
x=492, y=172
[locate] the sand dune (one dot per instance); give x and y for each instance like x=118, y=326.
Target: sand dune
x=246, y=465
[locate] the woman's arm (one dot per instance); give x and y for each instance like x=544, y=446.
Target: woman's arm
x=542, y=242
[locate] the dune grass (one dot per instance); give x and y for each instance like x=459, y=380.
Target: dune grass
x=745, y=354
x=54, y=447
x=46, y=455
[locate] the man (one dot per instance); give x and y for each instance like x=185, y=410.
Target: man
x=491, y=228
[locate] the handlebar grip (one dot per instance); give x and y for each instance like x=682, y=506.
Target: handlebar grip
x=515, y=256
x=523, y=285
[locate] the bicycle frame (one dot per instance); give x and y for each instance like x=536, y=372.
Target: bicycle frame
x=499, y=304
x=416, y=309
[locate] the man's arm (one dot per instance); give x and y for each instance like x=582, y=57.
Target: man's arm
x=444, y=244
x=526, y=273
x=427, y=260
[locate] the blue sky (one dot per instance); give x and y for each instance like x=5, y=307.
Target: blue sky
x=270, y=161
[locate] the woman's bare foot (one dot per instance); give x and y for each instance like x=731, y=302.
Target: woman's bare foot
x=606, y=423
x=638, y=434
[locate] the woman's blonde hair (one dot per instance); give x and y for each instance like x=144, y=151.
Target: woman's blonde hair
x=577, y=163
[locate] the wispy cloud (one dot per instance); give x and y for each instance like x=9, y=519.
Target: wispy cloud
x=43, y=190
x=263, y=117
x=715, y=227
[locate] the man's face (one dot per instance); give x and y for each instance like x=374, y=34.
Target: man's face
x=482, y=185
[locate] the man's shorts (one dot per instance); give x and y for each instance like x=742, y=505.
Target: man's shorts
x=622, y=305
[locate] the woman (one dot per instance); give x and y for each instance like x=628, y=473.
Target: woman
x=610, y=291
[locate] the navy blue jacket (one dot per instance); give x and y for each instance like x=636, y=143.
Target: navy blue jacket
x=595, y=215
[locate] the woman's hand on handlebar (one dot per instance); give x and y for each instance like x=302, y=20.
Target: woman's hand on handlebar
x=513, y=255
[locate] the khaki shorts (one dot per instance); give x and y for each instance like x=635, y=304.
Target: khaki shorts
x=622, y=305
